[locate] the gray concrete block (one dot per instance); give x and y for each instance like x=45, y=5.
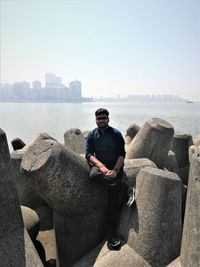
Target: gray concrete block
x=197, y=140
x=190, y=246
x=76, y=236
x=133, y=166
x=27, y=195
x=193, y=151
x=152, y=141
x=61, y=177
x=153, y=226
x=180, y=146
x=131, y=132
x=171, y=163
x=16, y=248
x=75, y=140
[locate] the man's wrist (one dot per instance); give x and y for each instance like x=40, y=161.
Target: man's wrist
x=116, y=169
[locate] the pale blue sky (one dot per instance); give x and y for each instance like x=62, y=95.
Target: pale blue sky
x=114, y=47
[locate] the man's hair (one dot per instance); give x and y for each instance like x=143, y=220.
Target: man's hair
x=101, y=111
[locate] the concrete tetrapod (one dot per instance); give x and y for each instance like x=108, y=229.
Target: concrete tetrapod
x=27, y=195
x=131, y=132
x=60, y=176
x=153, y=226
x=190, y=245
x=152, y=141
x=75, y=140
x=171, y=163
x=132, y=168
x=194, y=150
x=180, y=146
x=16, y=247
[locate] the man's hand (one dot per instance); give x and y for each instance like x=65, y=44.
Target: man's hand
x=112, y=173
x=104, y=170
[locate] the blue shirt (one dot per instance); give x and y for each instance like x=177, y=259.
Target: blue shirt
x=105, y=146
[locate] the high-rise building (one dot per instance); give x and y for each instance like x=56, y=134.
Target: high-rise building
x=17, y=90
x=75, y=90
x=37, y=85
x=5, y=91
x=53, y=81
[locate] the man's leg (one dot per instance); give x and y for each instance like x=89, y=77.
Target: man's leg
x=113, y=212
x=113, y=186
x=112, y=217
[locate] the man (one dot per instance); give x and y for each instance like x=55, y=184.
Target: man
x=105, y=152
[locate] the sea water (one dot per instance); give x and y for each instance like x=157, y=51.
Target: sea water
x=25, y=120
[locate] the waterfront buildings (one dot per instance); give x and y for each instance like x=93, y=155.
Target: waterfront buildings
x=75, y=90
x=54, y=90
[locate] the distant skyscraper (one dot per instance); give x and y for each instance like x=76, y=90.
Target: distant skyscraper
x=5, y=91
x=53, y=81
x=75, y=90
x=17, y=90
x=37, y=85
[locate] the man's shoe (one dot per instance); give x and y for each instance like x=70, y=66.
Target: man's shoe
x=131, y=198
x=114, y=242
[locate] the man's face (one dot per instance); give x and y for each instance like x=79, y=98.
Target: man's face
x=102, y=121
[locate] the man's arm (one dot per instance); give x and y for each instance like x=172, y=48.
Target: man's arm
x=98, y=164
x=121, y=152
x=90, y=155
x=119, y=163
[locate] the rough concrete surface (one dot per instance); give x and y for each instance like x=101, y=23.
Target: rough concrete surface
x=190, y=246
x=16, y=247
x=133, y=166
x=153, y=226
x=131, y=132
x=152, y=141
x=60, y=176
x=180, y=146
x=75, y=140
x=101, y=256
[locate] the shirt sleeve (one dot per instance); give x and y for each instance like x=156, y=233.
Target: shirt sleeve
x=89, y=146
x=121, y=145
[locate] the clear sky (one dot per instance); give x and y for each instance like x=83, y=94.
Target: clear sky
x=114, y=47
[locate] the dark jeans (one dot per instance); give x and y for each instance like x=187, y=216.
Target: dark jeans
x=114, y=188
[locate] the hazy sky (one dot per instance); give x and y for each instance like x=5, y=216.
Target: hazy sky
x=114, y=47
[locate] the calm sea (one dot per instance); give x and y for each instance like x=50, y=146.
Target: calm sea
x=24, y=120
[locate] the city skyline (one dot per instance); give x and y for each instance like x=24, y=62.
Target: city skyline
x=54, y=90
x=114, y=48
x=45, y=83
x=54, y=82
